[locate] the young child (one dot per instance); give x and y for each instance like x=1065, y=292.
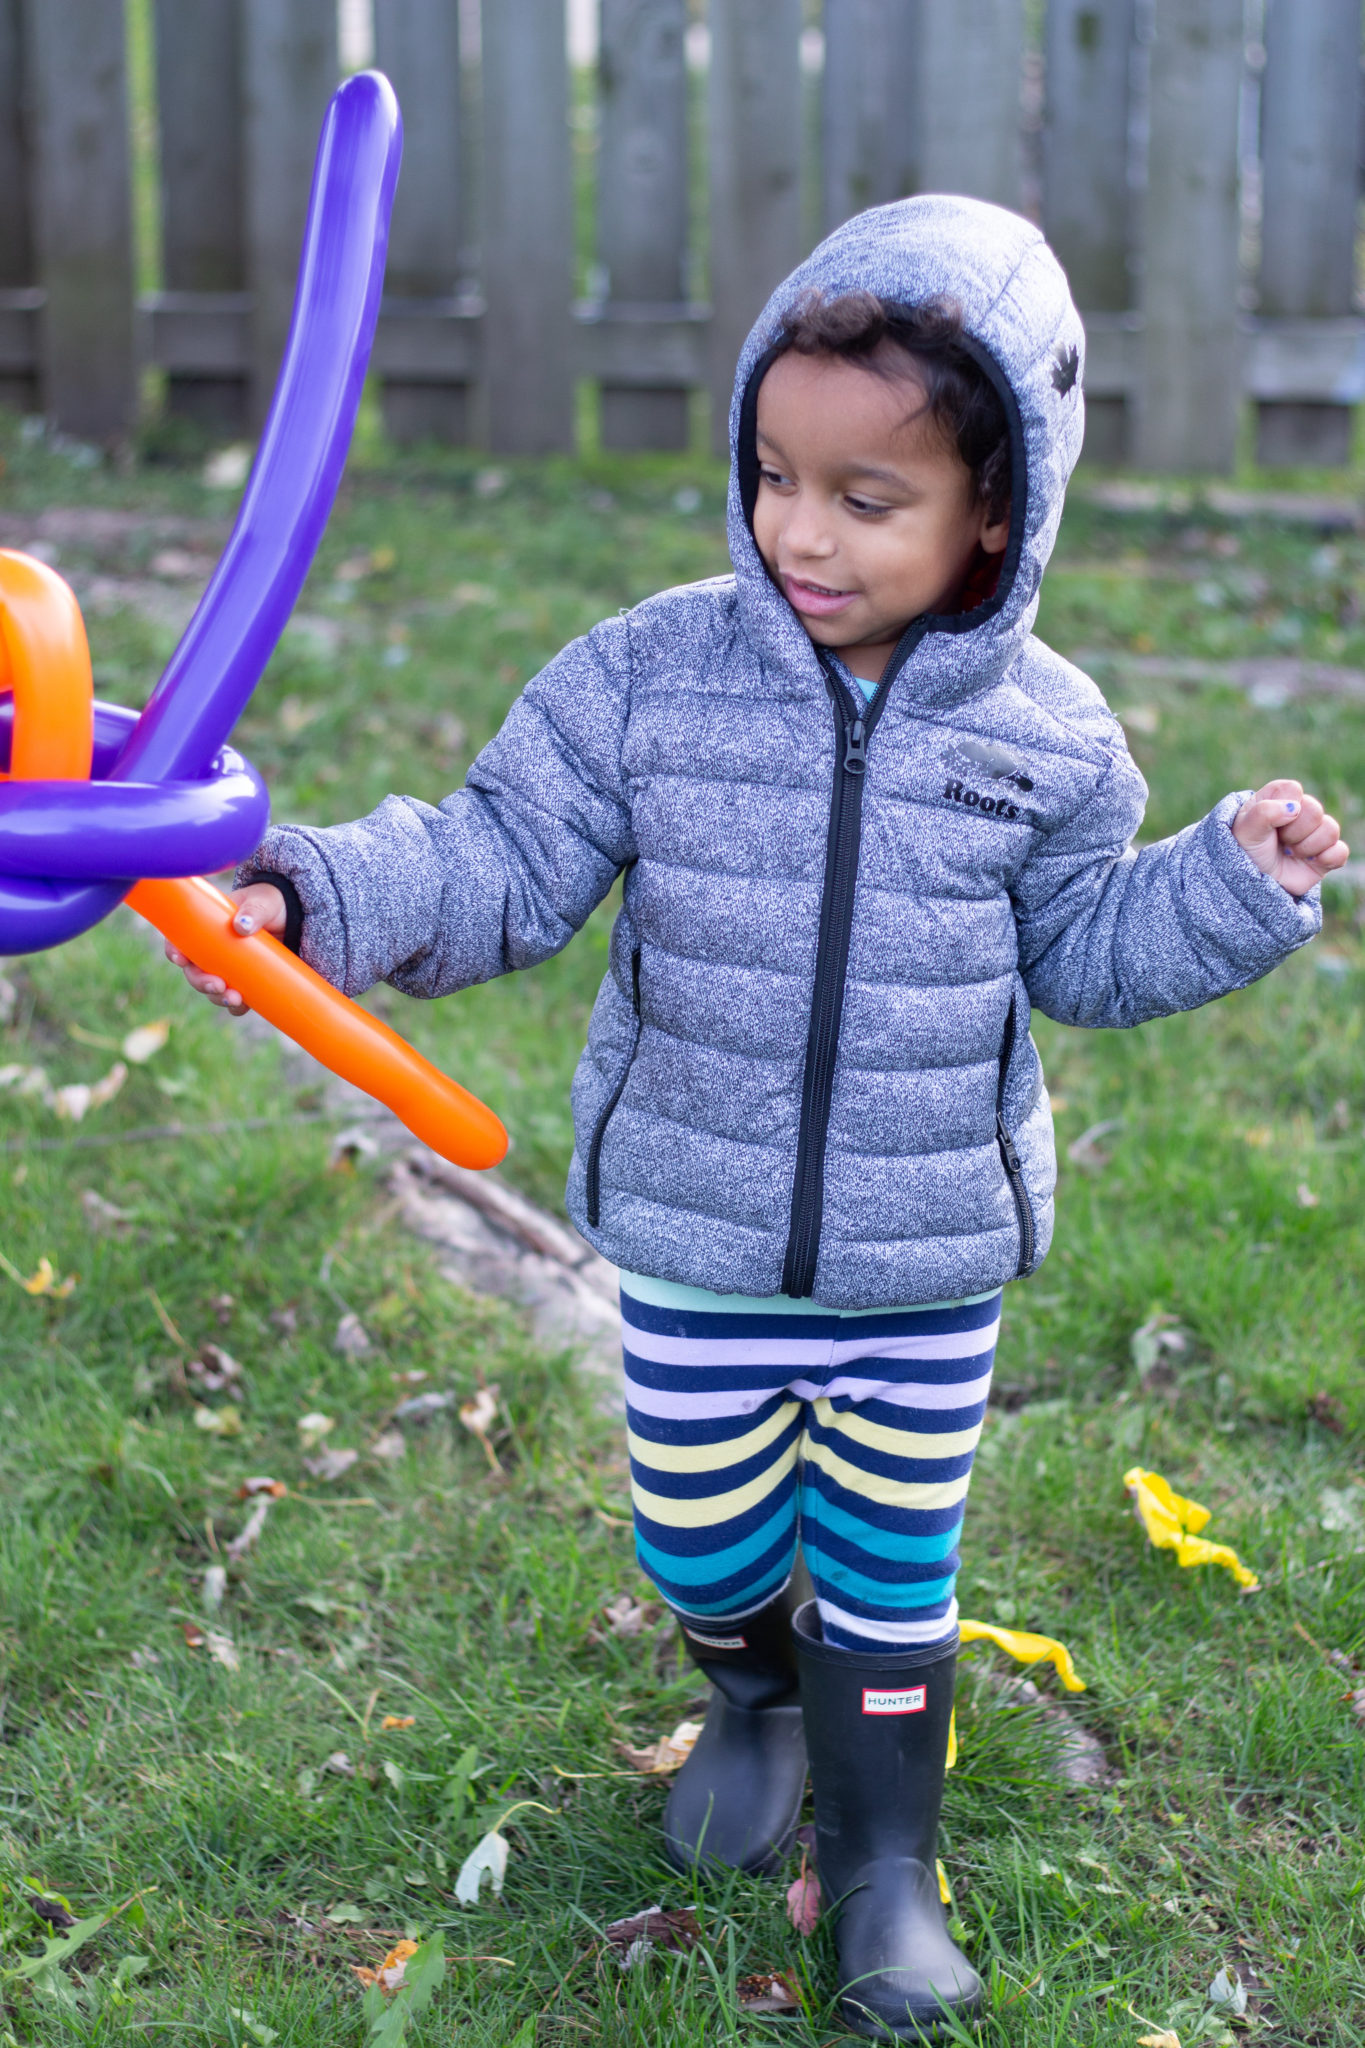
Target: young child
x=865, y=821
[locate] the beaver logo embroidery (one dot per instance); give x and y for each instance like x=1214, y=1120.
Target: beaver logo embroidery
x=988, y=758
x=1066, y=368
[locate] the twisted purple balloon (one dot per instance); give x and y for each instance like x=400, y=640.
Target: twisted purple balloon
x=168, y=796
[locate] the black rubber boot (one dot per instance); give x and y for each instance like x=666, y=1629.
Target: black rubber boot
x=877, y=1725
x=737, y=1799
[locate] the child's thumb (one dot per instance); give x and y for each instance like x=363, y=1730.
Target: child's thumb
x=1260, y=821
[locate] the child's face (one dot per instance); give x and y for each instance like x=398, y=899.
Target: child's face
x=865, y=514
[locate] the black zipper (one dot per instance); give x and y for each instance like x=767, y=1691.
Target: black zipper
x=593, y=1172
x=1014, y=1171
x=853, y=727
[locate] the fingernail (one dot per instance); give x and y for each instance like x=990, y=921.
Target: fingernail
x=1290, y=805
x=246, y=922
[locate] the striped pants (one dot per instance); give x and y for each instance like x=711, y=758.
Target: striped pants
x=853, y=1432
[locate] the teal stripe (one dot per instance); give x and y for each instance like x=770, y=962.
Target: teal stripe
x=817, y=1512
x=672, y=1294
x=754, y=1596
x=716, y=1564
x=831, y=1573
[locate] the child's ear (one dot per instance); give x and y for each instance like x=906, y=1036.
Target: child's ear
x=995, y=533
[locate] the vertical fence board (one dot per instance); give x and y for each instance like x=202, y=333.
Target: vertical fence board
x=755, y=151
x=289, y=71
x=18, y=386
x=527, y=227
x=867, y=109
x=1310, y=110
x=1189, y=384
x=968, y=101
x=642, y=195
x=417, y=44
x=75, y=65
x=1087, y=200
x=199, y=100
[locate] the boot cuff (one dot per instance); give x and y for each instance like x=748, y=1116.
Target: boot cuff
x=811, y=1643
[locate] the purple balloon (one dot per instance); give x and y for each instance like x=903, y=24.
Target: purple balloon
x=168, y=795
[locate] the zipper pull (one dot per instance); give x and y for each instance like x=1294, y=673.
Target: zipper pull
x=855, y=748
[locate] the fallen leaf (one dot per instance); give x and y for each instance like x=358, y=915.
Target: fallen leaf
x=339, y=1764
x=389, y=1976
x=480, y=1412
x=409, y=1379
x=1165, y=2039
x=668, y=1753
x=250, y=1533
x=421, y=1407
x=250, y=1489
x=1160, y=1332
x=102, y=1215
x=355, y=1142
x=213, y=1369
x=489, y=1855
x=144, y=1659
x=1259, y=1136
x=25, y=1080
x=674, y=1927
x=43, y=1281
x=146, y=1041
x=1329, y=1411
x=627, y=1617
x=313, y=1428
x=222, y=1306
x=768, y=1991
x=214, y=1588
x=352, y=1339
x=803, y=1901
x=220, y=1647
x=390, y=1445
x=1305, y=1197
x=218, y=1421
x=398, y=1721
x=1085, y=1150
x=330, y=1464
x=227, y=468
x=1228, y=1992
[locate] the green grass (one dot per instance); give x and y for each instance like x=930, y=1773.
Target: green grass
x=1230, y=1828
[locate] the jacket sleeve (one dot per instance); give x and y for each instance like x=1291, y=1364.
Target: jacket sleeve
x=498, y=876
x=1110, y=934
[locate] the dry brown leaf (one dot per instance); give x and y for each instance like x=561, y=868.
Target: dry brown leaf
x=250, y=1533
x=339, y=1764
x=675, y=1927
x=668, y=1753
x=352, y=1339
x=804, y=1901
x=391, y=1721
x=388, y=1446
x=102, y=1215
x=218, y=1421
x=251, y=1488
x=628, y=1617
x=146, y=1041
x=480, y=1412
x=389, y=1976
x=768, y=1991
x=221, y=1648
x=312, y=1428
x=213, y=1369
x=330, y=1464
x=1165, y=2039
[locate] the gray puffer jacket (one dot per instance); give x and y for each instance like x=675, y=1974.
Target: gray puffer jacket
x=809, y=1067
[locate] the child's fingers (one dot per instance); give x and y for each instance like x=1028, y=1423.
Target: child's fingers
x=260, y=908
x=1311, y=844
x=1306, y=821
x=1336, y=856
x=1261, y=821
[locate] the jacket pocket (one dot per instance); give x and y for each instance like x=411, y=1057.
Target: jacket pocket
x=593, y=1170
x=1010, y=1160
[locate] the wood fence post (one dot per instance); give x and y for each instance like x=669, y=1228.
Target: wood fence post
x=18, y=268
x=970, y=89
x=1310, y=111
x=868, y=121
x=642, y=196
x=75, y=65
x=1190, y=383
x=199, y=110
x=1087, y=199
x=527, y=228
x=755, y=151
x=290, y=69
x=417, y=44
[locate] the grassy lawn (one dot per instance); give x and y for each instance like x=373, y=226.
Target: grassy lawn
x=269, y=1831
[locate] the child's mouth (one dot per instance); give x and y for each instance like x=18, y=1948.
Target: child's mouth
x=815, y=600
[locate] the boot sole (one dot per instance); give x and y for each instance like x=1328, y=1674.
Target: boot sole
x=929, y=2031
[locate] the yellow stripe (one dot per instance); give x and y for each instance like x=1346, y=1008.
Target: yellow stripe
x=711, y=1457
x=717, y=1507
x=897, y=1443
x=889, y=1493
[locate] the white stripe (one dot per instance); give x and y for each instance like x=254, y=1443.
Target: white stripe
x=670, y=1406
x=916, y=1394
x=909, y=1632
x=703, y=1352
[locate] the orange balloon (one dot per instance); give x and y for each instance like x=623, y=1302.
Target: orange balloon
x=45, y=661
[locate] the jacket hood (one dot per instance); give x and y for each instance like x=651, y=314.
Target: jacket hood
x=1020, y=321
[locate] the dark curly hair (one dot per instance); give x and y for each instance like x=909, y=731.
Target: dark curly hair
x=925, y=343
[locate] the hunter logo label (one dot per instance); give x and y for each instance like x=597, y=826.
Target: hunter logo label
x=717, y=1642
x=912, y=1699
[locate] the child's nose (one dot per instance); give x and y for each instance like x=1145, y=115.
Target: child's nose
x=807, y=530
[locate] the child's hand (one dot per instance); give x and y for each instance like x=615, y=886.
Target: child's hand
x=260, y=908
x=1289, y=836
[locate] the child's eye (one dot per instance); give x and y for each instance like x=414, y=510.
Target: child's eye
x=867, y=507
x=774, y=478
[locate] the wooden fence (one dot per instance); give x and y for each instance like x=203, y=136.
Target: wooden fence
x=1193, y=161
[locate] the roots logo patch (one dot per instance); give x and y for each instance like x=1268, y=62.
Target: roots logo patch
x=910, y=1699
